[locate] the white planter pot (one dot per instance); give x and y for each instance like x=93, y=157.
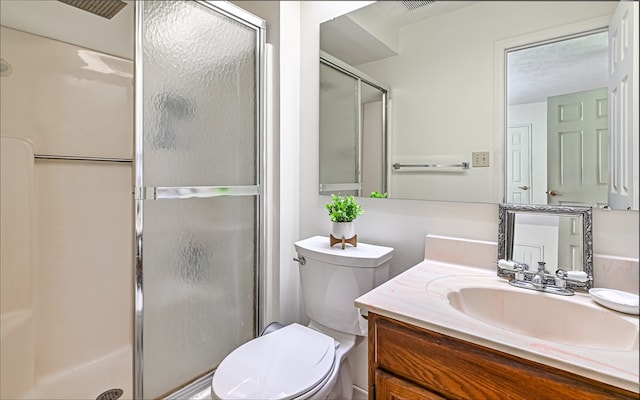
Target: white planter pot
x=345, y=230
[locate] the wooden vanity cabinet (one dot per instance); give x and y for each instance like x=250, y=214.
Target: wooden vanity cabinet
x=411, y=363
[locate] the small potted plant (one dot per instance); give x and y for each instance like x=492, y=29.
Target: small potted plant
x=342, y=211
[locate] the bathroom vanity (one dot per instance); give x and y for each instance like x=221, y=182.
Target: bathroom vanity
x=407, y=362
x=429, y=338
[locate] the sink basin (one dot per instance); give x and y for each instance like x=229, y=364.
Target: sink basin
x=548, y=317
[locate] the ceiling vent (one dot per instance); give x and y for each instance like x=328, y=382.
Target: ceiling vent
x=413, y=4
x=103, y=8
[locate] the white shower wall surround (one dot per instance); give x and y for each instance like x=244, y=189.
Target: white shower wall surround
x=67, y=234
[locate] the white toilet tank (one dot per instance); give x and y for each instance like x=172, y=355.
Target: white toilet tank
x=332, y=278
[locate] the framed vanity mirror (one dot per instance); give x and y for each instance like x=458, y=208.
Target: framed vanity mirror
x=558, y=235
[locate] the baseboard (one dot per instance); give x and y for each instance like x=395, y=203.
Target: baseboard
x=359, y=393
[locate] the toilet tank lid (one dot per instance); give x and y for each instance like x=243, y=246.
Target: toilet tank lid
x=364, y=255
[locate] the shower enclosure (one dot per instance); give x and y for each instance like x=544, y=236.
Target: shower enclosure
x=132, y=201
x=66, y=229
x=198, y=188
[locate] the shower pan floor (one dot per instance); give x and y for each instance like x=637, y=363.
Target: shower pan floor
x=88, y=381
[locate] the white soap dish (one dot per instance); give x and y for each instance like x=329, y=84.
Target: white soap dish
x=616, y=299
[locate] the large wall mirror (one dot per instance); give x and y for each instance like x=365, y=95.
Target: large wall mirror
x=484, y=99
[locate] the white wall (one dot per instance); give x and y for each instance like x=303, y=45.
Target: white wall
x=289, y=299
x=401, y=224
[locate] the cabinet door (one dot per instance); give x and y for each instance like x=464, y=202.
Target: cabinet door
x=457, y=369
x=388, y=387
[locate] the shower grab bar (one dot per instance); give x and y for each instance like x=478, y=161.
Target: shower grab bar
x=463, y=165
x=78, y=158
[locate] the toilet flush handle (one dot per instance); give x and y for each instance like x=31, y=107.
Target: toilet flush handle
x=301, y=260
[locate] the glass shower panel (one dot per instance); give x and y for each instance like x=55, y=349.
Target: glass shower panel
x=339, y=134
x=198, y=286
x=199, y=97
x=373, y=130
x=198, y=178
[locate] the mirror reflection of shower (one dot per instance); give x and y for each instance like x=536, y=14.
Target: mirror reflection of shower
x=353, y=131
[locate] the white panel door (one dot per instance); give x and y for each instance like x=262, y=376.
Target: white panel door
x=577, y=148
x=623, y=95
x=519, y=164
x=570, y=244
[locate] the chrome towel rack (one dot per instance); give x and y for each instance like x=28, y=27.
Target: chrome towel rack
x=463, y=165
x=78, y=158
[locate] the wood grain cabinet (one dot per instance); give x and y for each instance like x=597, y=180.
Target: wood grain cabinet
x=411, y=363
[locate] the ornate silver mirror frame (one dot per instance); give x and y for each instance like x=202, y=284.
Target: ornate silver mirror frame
x=507, y=225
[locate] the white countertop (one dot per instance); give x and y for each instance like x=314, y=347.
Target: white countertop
x=410, y=298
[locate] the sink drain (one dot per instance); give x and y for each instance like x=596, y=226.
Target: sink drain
x=111, y=394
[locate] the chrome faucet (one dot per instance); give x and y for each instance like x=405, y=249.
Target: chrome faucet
x=538, y=280
x=541, y=280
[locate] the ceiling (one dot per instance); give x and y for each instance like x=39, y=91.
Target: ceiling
x=566, y=66
x=62, y=22
x=533, y=73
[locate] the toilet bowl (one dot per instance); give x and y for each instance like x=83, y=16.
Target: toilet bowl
x=297, y=362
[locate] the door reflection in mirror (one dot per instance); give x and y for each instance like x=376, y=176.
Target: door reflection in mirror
x=554, y=239
x=557, y=130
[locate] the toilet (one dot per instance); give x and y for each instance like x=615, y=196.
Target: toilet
x=310, y=362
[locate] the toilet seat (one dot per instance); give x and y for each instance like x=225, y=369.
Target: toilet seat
x=286, y=364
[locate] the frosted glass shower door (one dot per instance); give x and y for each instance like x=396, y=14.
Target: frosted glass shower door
x=198, y=188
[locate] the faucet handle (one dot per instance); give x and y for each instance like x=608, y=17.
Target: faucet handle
x=520, y=266
x=519, y=269
x=561, y=278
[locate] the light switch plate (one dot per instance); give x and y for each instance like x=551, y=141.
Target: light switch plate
x=480, y=159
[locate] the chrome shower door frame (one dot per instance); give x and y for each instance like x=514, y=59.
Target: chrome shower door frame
x=143, y=193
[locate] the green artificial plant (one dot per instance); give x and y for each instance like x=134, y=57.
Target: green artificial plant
x=343, y=209
x=378, y=195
